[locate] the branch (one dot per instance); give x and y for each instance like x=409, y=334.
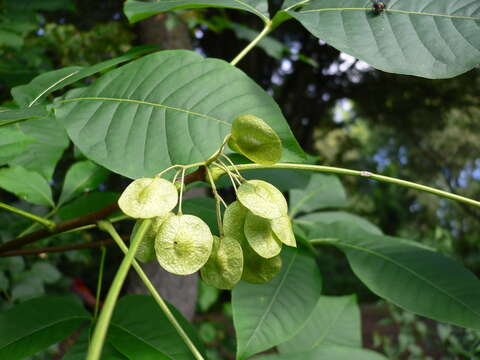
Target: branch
x=60, y=228
x=93, y=218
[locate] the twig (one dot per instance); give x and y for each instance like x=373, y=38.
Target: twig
x=89, y=219
x=60, y=228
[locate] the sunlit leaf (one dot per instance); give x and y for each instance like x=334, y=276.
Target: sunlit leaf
x=127, y=119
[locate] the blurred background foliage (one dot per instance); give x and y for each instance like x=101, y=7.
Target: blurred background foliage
x=340, y=109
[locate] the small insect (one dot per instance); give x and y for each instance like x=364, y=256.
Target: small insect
x=378, y=7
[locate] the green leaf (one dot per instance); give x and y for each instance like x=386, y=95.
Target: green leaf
x=42, y=155
x=269, y=314
x=139, y=10
x=322, y=191
x=204, y=208
x=139, y=329
x=335, y=321
x=33, y=92
x=46, y=271
x=10, y=39
x=47, y=5
x=36, y=324
x=86, y=204
x=207, y=296
x=4, y=281
x=329, y=217
x=83, y=175
x=12, y=143
x=432, y=39
x=15, y=115
x=330, y=352
x=292, y=3
x=27, y=185
x=171, y=107
x=282, y=179
x=27, y=286
x=46, y=83
x=409, y=275
x=78, y=351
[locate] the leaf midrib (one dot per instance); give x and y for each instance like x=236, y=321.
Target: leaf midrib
x=407, y=12
x=43, y=328
x=79, y=185
x=120, y=327
x=274, y=297
x=388, y=259
x=37, y=190
x=142, y=102
x=306, y=198
x=331, y=325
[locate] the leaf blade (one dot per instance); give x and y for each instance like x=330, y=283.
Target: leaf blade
x=27, y=185
x=409, y=275
x=335, y=321
x=46, y=83
x=128, y=119
x=139, y=10
x=397, y=40
x=36, y=324
x=138, y=318
x=260, y=319
x=9, y=116
x=322, y=191
x=81, y=176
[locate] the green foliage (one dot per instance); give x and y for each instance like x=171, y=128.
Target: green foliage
x=267, y=315
x=43, y=85
x=8, y=116
x=417, y=339
x=329, y=352
x=322, y=191
x=396, y=269
x=36, y=324
x=178, y=110
x=139, y=10
x=79, y=349
x=82, y=176
x=140, y=329
x=404, y=48
x=27, y=185
x=334, y=321
x=158, y=101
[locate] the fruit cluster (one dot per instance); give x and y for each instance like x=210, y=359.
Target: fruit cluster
x=252, y=230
